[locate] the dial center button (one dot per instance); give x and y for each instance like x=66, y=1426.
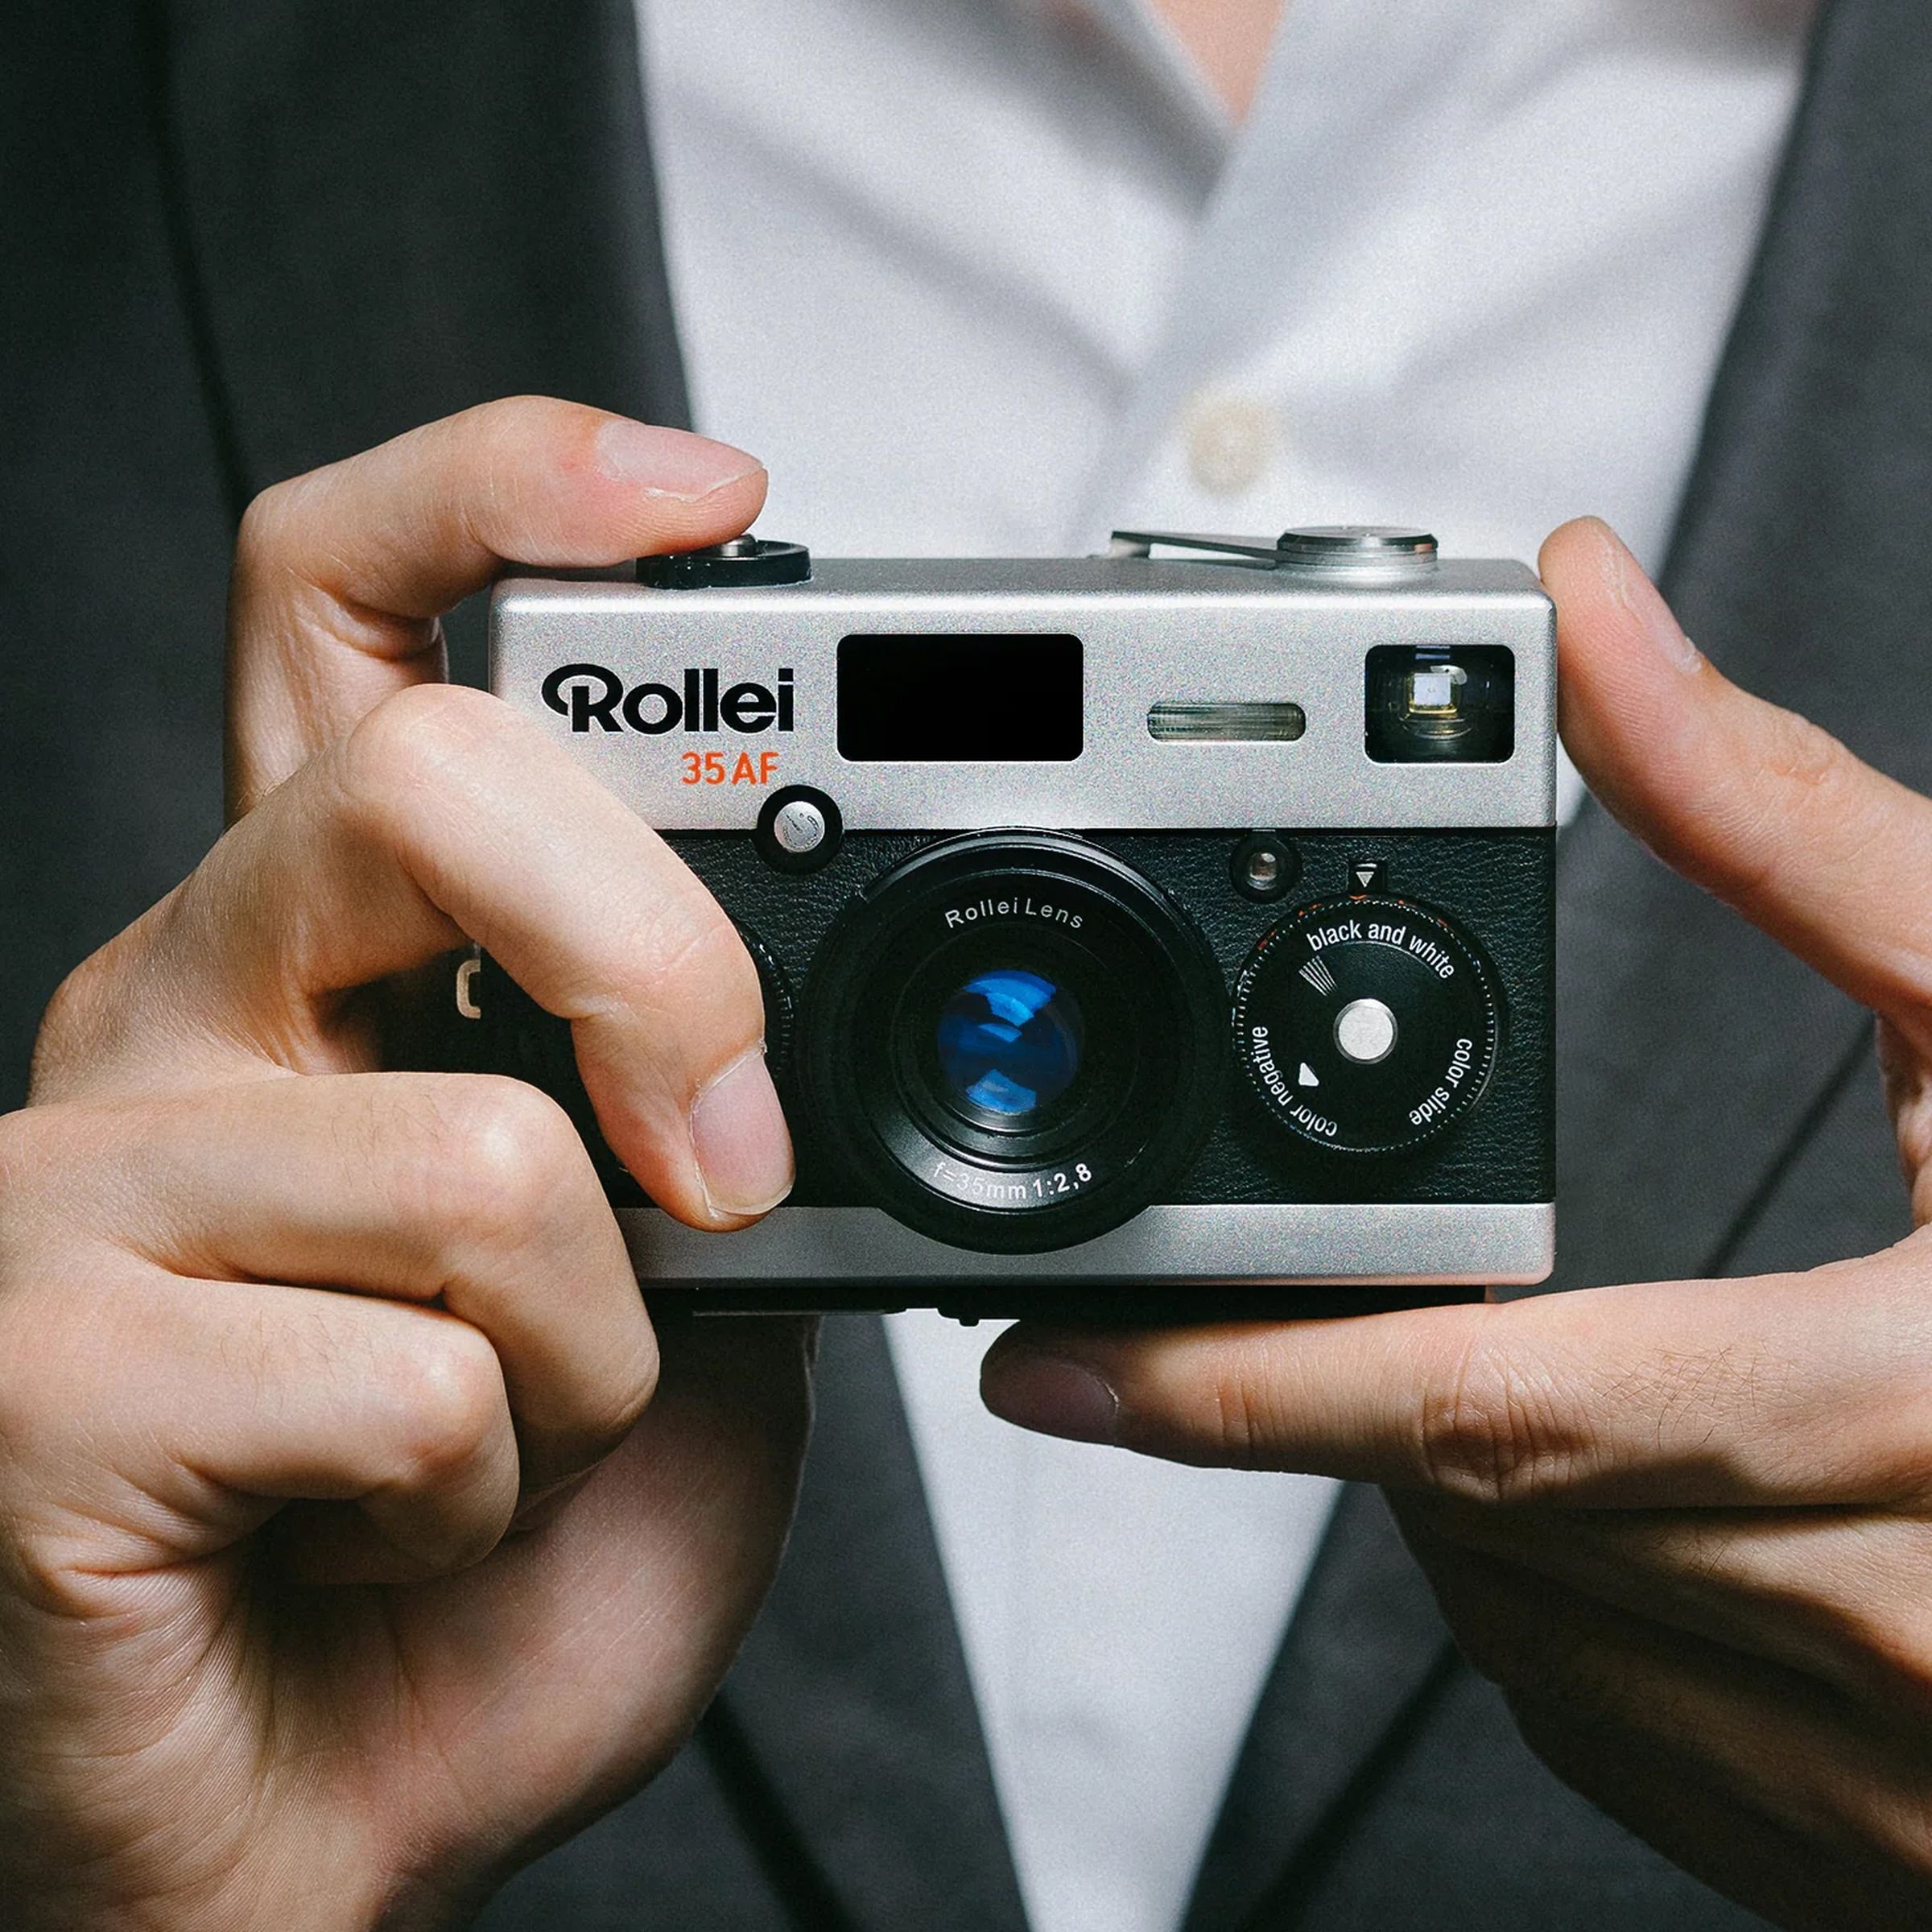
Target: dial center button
x=1365, y=1032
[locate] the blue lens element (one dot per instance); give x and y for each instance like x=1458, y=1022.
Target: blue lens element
x=1009, y=1042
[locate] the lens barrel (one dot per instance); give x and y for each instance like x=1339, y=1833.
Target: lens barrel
x=1014, y=1041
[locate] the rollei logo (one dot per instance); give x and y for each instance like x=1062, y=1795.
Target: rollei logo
x=587, y=695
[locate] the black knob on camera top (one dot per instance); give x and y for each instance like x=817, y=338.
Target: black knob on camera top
x=744, y=563
x=1366, y=1024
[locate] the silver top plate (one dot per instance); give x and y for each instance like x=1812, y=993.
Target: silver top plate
x=1170, y=631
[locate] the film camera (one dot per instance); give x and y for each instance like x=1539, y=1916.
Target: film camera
x=1163, y=934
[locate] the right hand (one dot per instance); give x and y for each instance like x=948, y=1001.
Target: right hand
x=354, y=1543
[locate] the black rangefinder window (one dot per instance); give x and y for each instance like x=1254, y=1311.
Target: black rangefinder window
x=924, y=699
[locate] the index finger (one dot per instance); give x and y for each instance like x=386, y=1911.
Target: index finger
x=1790, y=1389
x=1754, y=803
x=341, y=575
x=444, y=816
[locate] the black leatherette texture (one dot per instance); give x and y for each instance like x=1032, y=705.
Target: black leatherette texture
x=1497, y=885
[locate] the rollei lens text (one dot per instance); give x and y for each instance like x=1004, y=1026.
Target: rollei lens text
x=1021, y=906
x=589, y=695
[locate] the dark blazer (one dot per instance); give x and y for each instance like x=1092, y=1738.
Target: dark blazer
x=239, y=239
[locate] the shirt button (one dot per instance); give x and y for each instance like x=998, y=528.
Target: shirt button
x=1231, y=440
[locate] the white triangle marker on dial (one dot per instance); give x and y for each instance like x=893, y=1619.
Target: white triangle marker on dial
x=1306, y=1076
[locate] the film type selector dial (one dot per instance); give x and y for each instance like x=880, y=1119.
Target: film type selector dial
x=1366, y=1024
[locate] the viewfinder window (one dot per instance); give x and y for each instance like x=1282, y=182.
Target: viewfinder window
x=912, y=698
x=1440, y=704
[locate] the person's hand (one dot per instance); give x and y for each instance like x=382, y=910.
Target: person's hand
x=1687, y=1528
x=354, y=1542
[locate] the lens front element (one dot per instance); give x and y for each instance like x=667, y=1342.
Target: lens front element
x=1008, y=1044
x=1013, y=1040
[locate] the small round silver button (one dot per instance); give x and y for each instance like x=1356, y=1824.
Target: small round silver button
x=1364, y=1031
x=799, y=827
x=1358, y=548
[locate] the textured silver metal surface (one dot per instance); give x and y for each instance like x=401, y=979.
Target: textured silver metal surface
x=1167, y=630
x=1403, y=1244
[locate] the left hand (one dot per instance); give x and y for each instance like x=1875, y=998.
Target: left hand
x=1686, y=1527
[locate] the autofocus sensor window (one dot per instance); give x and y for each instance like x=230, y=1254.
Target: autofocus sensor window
x=1013, y=1040
x=1430, y=704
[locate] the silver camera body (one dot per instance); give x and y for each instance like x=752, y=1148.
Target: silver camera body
x=1163, y=933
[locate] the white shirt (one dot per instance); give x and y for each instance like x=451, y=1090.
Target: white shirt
x=991, y=276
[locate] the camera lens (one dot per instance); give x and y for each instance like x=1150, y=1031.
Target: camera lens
x=1012, y=1042
x=1009, y=1045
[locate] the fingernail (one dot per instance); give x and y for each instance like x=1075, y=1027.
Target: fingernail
x=1051, y=1395
x=670, y=462
x=739, y=1137
x=1645, y=602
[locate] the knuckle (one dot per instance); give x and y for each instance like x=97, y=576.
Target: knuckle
x=425, y=739
x=519, y=1153
x=631, y=1388
x=83, y=1007
x=693, y=949
x=447, y=1400
x=496, y=1160
x=514, y=425
x=1796, y=771
x=680, y=980
x=1491, y=1431
x=264, y=526
x=1803, y=753
x=1244, y=1422
x=510, y=442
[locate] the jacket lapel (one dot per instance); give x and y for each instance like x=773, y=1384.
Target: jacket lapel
x=388, y=212
x=1693, y=1052
x=1365, y=1642
x=852, y=1696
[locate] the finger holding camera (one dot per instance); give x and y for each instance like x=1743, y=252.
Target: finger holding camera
x=417, y=816
x=1686, y=1526
x=290, y=1345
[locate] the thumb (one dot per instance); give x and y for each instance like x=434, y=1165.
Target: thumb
x=1754, y=803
